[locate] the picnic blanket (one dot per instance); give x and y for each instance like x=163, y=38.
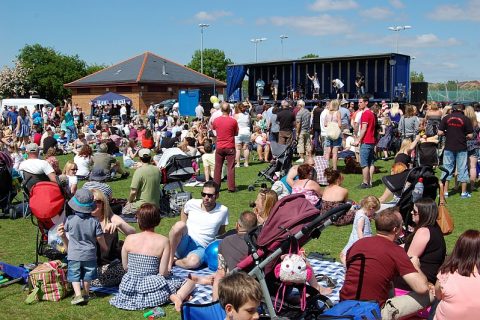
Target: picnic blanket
x=203, y=293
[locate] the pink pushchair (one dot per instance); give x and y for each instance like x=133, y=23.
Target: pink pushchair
x=292, y=223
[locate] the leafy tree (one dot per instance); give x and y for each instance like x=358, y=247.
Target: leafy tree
x=212, y=58
x=416, y=76
x=50, y=70
x=310, y=55
x=13, y=81
x=94, y=68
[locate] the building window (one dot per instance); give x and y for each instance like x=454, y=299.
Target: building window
x=124, y=89
x=156, y=88
x=83, y=90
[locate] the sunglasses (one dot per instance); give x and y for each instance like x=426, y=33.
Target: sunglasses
x=208, y=195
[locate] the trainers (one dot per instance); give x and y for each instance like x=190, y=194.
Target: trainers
x=465, y=195
x=77, y=300
x=125, y=175
x=237, y=165
x=364, y=186
x=245, y=165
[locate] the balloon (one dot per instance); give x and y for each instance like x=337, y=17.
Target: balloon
x=211, y=255
x=213, y=99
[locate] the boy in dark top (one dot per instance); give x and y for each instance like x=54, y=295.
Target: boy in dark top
x=456, y=128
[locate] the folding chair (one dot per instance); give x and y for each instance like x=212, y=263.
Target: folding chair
x=210, y=311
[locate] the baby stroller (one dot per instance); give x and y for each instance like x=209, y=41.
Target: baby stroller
x=282, y=161
x=292, y=223
x=403, y=184
x=427, y=154
x=177, y=171
x=48, y=206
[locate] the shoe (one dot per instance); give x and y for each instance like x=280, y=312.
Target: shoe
x=237, y=165
x=125, y=175
x=245, y=165
x=77, y=300
x=445, y=194
x=300, y=160
x=89, y=296
x=364, y=186
x=465, y=195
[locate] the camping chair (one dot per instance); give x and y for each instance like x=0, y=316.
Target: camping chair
x=211, y=311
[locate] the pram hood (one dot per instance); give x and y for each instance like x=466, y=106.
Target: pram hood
x=288, y=216
x=277, y=149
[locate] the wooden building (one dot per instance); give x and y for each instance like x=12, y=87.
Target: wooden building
x=145, y=79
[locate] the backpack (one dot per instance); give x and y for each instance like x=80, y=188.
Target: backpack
x=353, y=310
x=431, y=128
x=333, y=129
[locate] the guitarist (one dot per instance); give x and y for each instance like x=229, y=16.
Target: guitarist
x=360, y=84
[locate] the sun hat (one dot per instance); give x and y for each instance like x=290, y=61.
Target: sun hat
x=99, y=174
x=82, y=201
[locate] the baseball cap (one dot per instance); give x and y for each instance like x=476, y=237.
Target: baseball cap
x=144, y=153
x=31, y=147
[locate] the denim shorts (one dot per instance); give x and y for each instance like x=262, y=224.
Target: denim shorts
x=81, y=270
x=367, y=155
x=242, y=138
x=329, y=143
x=458, y=158
x=189, y=246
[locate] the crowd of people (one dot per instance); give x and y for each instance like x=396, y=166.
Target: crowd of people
x=106, y=147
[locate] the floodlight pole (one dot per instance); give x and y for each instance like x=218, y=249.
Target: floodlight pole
x=256, y=42
x=202, y=26
x=283, y=37
x=397, y=29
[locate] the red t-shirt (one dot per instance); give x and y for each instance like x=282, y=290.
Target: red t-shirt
x=384, y=260
x=148, y=143
x=226, y=128
x=369, y=118
x=37, y=137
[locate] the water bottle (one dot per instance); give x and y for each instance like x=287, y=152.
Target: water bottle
x=154, y=313
x=417, y=193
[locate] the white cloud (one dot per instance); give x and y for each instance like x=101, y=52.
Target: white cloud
x=328, y=5
x=315, y=26
x=397, y=4
x=377, y=13
x=212, y=15
x=469, y=12
x=430, y=40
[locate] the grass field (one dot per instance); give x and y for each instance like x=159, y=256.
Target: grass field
x=17, y=244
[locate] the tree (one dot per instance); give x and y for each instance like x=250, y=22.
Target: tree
x=310, y=55
x=94, y=68
x=14, y=81
x=50, y=70
x=212, y=58
x=416, y=77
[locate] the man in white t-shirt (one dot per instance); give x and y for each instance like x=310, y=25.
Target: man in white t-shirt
x=199, y=112
x=201, y=221
x=338, y=86
x=34, y=169
x=123, y=113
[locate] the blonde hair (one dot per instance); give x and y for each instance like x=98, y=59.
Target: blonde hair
x=370, y=202
x=406, y=143
x=432, y=105
x=470, y=113
x=386, y=121
x=69, y=165
x=395, y=109
x=107, y=212
x=334, y=104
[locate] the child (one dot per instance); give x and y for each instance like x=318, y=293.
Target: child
x=84, y=231
x=62, y=141
x=361, y=223
x=240, y=295
x=16, y=155
x=129, y=153
x=52, y=160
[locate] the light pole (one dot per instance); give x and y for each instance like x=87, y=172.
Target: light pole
x=283, y=37
x=256, y=41
x=214, y=71
x=397, y=29
x=202, y=26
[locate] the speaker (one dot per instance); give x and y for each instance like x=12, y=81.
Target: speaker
x=419, y=92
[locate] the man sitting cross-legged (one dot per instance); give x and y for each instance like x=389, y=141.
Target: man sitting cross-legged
x=201, y=221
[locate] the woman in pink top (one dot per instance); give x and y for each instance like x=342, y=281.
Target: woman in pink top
x=458, y=281
x=305, y=185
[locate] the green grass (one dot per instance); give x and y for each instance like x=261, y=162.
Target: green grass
x=17, y=244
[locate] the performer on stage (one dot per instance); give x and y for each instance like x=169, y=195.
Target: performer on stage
x=338, y=86
x=360, y=84
x=274, y=87
x=260, y=84
x=316, y=85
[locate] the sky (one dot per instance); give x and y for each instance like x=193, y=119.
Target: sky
x=443, y=37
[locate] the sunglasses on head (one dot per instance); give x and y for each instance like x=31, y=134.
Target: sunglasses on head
x=208, y=195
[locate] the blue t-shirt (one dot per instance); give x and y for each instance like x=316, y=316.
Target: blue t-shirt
x=83, y=233
x=13, y=115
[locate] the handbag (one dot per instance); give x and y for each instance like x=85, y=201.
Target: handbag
x=445, y=220
x=49, y=282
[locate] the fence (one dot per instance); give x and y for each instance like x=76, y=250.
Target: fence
x=460, y=95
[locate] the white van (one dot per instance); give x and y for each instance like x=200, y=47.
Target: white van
x=29, y=103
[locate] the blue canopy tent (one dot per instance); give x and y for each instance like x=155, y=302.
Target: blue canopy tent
x=111, y=98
